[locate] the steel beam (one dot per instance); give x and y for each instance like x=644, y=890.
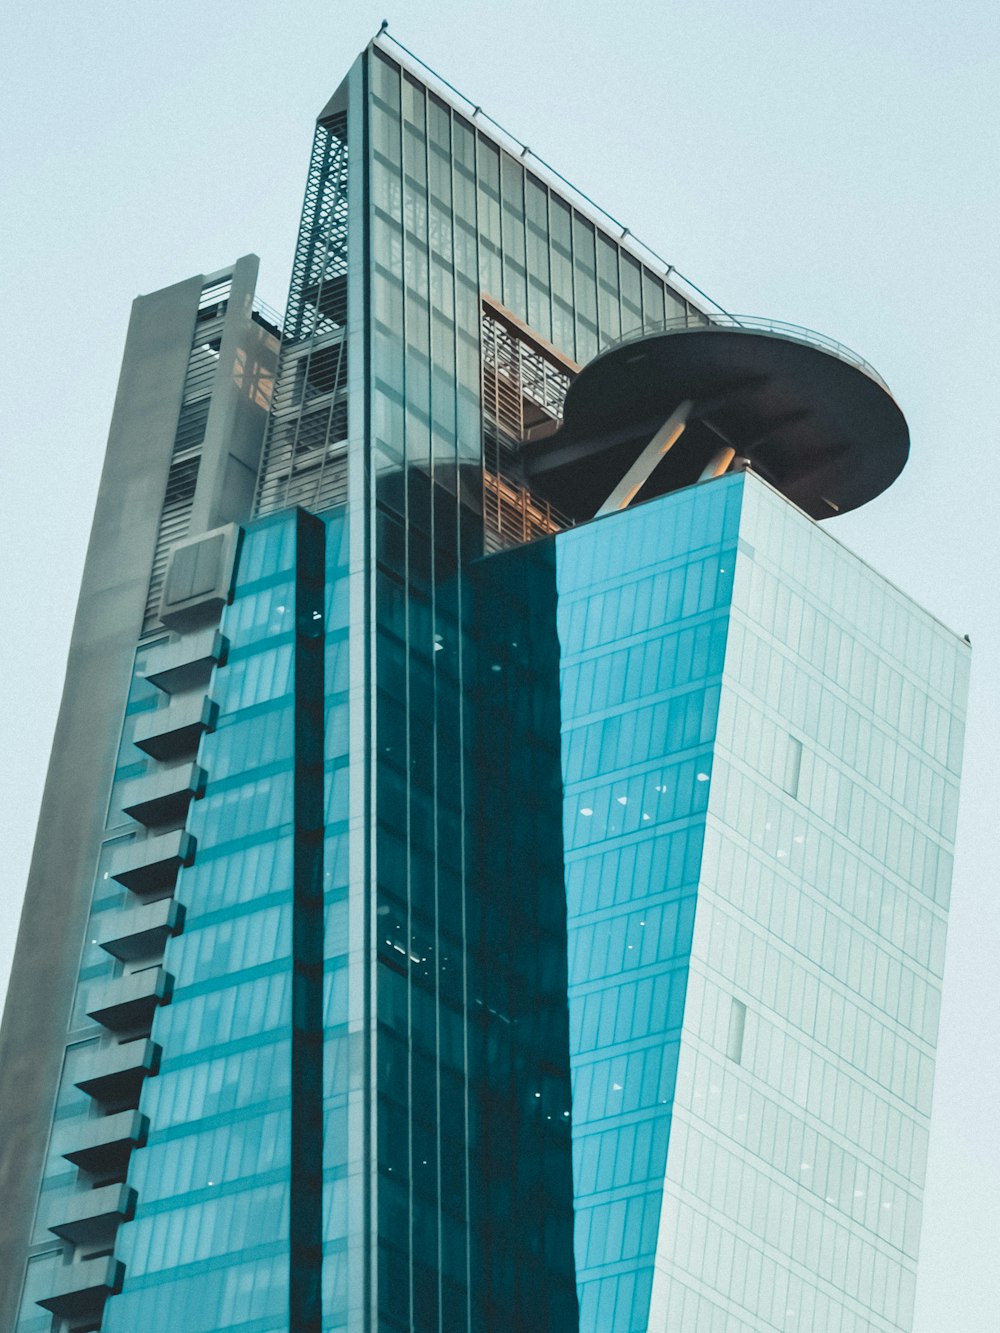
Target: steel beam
x=642, y=469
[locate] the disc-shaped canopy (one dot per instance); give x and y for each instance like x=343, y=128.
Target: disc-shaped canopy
x=818, y=426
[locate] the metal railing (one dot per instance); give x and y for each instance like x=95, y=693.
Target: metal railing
x=513, y=515
x=267, y=313
x=777, y=328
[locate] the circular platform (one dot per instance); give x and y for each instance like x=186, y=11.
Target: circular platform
x=812, y=418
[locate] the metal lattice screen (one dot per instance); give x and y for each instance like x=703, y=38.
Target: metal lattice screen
x=305, y=455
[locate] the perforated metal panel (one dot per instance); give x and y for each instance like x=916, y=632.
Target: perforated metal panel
x=305, y=460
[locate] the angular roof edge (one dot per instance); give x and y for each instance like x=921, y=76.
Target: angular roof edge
x=464, y=106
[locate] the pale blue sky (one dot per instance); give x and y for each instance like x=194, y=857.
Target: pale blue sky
x=833, y=165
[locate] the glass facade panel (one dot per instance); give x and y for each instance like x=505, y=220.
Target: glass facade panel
x=644, y=602
x=211, y=1245
x=797, y=1169
x=469, y=223
x=759, y=809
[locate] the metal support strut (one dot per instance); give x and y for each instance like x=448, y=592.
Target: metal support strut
x=718, y=463
x=642, y=469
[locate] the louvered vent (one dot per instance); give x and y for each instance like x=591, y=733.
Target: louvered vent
x=174, y=522
x=305, y=455
x=192, y=422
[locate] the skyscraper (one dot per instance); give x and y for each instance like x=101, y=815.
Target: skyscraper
x=466, y=896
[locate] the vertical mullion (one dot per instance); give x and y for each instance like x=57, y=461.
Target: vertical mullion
x=306, y=1175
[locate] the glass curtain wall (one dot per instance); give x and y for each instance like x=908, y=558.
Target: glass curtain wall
x=761, y=741
x=644, y=605
x=799, y=1136
x=453, y=218
x=521, y=1200
x=228, y=1208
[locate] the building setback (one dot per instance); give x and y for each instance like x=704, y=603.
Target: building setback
x=494, y=864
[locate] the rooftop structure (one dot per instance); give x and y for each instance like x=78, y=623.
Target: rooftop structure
x=809, y=416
